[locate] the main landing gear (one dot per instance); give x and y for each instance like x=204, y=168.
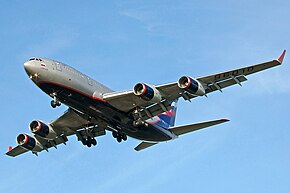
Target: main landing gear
x=119, y=136
x=89, y=141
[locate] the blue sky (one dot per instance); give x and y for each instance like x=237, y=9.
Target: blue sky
x=120, y=43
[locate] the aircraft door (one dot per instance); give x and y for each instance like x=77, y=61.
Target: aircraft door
x=90, y=81
x=58, y=66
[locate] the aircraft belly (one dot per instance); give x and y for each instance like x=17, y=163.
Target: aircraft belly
x=101, y=109
x=149, y=133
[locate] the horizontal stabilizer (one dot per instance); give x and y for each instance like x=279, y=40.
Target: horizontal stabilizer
x=144, y=145
x=180, y=130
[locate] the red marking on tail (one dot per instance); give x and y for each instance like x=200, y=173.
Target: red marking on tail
x=9, y=148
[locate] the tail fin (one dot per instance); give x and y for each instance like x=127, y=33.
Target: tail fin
x=180, y=130
x=167, y=119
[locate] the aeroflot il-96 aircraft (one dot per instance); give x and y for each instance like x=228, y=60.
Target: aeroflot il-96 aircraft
x=146, y=113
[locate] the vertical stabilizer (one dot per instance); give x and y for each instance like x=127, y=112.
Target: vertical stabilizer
x=167, y=119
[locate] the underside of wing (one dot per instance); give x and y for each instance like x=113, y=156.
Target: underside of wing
x=35, y=144
x=71, y=122
x=16, y=151
x=225, y=79
x=128, y=101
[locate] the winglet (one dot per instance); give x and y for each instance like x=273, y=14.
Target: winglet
x=9, y=148
x=281, y=58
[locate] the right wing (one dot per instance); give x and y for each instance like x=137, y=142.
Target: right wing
x=127, y=101
x=44, y=144
x=70, y=123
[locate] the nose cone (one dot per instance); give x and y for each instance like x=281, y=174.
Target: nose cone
x=30, y=67
x=27, y=66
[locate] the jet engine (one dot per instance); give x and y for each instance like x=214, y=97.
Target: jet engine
x=147, y=93
x=42, y=129
x=28, y=142
x=191, y=85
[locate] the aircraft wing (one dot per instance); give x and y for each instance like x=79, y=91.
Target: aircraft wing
x=44, y=144
x=70, y=123
x=127, y=100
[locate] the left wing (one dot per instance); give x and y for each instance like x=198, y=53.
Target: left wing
x=70, y=123
x=127, y=100
x=42, y=144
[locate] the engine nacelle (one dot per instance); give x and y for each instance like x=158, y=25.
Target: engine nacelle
x=42, y=129
x=28, y=142
x=147, y=93
x=191, y=85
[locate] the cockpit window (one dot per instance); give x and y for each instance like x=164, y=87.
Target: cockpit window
x=37, y=59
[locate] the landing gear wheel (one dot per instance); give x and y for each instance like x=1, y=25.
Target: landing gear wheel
x=84, y=142
x=115, y=134
x=53, y=104
x=94, y=142
x=119, y=139
x=89, y=142
x=124, y=137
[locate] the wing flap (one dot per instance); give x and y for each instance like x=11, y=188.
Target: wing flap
x=238, y=72
x=46, y=144
x=180, y=130
x=226, y=83
x=155, y=109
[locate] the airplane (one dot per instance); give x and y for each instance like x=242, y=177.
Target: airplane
x=147, y=112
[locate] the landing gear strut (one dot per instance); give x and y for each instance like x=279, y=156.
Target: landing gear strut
x=137, y=118
x=138, y=122
x=119, y=136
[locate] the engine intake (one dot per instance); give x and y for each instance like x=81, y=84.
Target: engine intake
x=147, y=93
x=26, y=141
x=191, y=85
x=41, y=129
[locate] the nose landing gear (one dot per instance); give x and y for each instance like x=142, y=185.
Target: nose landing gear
x=55, y=103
